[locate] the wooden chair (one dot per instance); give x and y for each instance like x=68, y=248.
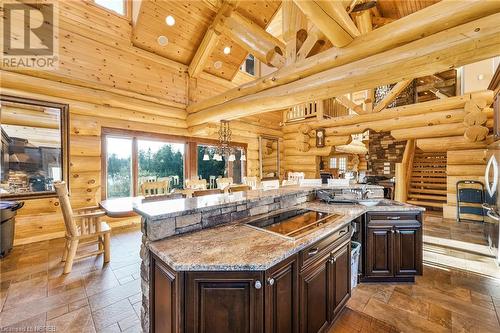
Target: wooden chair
x=239, y=188
x=201, y=193
x=223, y=183
x=81, y=225
x=253, y=182
x=196, y=184
x=161, y=187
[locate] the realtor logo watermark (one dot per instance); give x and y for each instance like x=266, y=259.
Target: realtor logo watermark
x=30, y=36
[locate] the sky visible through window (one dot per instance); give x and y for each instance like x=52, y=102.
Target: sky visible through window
x=118, y=6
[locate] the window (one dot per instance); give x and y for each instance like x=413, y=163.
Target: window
x=339, y=162
x=117, y=6
x=333, y=163
x=133, y=158
x=34, y=145
x=119, y=167
x=211, y=169
x=343, y=163
x=161, y=161
x=248, y=65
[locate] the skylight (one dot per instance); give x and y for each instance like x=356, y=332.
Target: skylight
x=117, y=6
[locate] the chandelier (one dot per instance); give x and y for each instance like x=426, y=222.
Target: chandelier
x=224, y=148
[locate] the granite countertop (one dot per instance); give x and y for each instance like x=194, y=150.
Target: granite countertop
x=239, y=247
x=175, y=207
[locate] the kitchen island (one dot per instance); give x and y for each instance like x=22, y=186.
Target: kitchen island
x=220, y=274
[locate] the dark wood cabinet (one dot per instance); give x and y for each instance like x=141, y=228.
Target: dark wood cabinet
x=408, y=250
x=314, y=296
x=166, y=298
x=224, y=302
x=340, y=279
x=281, y=298
x=392, y=249
x=379, y=253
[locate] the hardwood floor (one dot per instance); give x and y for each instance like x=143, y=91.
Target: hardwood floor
x=459, y=291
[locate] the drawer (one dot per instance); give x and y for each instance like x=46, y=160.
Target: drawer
x=393, y=217
x=315, y=251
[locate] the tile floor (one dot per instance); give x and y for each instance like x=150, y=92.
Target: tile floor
x=459, y=291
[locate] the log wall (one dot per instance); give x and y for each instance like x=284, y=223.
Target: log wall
x=109, y=83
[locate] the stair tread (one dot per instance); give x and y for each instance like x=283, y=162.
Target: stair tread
x=428, y=197
x=433, y=185
x=425, y=203
x=428, y=191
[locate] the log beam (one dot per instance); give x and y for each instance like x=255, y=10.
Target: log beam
x=392, y=95
x=454, y=47
x=246, y=33
x=332, y=19
x=293, y=20
x=349, y=104
x=210, y=40
x=314, y=35
x=430, y=20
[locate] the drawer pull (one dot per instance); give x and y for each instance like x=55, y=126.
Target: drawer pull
x=258, y=284
x=393, y=217
x=270, y=281
x=312, y=252
x=392, y=231
x=341, y=232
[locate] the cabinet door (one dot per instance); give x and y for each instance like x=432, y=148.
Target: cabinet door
x=314, y=296
x=408, y=250
x=340, y=290
x=379, y=251
x=166, y=300
x=281, y=298
x=224, y=302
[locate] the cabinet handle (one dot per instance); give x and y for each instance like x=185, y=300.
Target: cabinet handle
x=397, y=231
x=392, y=231
x=313, y=251
x=393, y=217
x=270, y=281
x=333, y=260
x=258, y=284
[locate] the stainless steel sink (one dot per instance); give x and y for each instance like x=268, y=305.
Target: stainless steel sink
x=294, y=223
x=378, y=202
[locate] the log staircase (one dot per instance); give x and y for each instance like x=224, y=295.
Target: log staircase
x=428, y=180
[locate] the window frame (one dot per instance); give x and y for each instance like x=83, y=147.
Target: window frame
x=127, y=5
x=190, y=152
x=65, y=135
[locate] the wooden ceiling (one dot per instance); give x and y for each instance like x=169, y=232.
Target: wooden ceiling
x=192, y=21
x=399, y=8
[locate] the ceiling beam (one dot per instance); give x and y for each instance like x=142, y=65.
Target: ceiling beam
x=467, y=43
x=255, y=40
x=332, y=19
x=392, y=95
x=209, y=41
x=314, y=35
x=430, y=20
x=292, y=21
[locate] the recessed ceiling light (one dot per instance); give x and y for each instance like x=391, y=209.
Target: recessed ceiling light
x=480, y=77
x=227, y=50
x=218, y=64
x=170, y=20
x=162, y=40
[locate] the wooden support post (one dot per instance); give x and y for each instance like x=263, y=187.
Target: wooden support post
x=293, y=20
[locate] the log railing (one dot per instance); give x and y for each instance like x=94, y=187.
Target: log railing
x=403, y=172
x=305, y=111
